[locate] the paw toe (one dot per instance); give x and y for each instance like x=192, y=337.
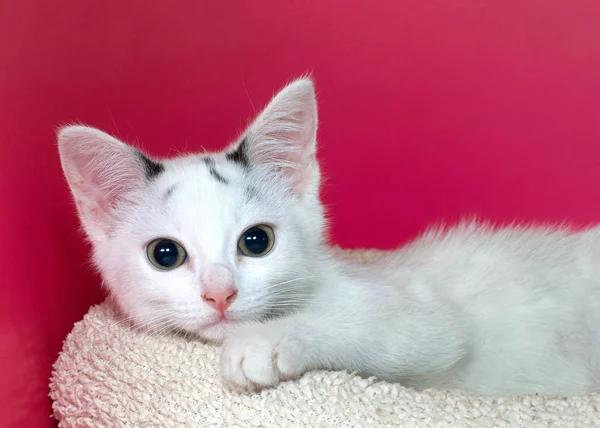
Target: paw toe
x=259, y=367
x=287, y=361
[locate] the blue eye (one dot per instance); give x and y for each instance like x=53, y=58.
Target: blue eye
x=166, y=254
x=256, y=241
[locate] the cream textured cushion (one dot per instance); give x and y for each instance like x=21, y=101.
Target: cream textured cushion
x=110, y=375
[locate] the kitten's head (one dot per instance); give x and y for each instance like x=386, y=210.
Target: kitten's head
x=202, y=241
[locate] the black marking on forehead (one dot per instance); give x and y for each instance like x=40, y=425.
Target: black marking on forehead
x=218, y=176
x=210, y=163
x=168, y=193
x=152, y=169
x=251, y=192
x=240, y=155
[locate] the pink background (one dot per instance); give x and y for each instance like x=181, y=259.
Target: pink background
x=429, y=110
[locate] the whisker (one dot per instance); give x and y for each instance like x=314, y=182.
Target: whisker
x=159, y=330
x=137, y=324
x=288, y=282
x=157, y=311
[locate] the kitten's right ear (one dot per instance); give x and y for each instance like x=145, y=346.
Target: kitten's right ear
x=101, y=172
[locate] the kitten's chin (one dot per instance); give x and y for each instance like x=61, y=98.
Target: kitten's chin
x=214, y=333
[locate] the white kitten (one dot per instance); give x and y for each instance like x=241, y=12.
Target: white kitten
x=231, y=245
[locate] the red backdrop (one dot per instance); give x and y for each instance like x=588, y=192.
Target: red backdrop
x=429, y=110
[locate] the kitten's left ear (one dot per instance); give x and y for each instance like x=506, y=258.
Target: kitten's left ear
x=282, y=139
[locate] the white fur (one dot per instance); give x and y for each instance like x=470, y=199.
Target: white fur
x=508, y=311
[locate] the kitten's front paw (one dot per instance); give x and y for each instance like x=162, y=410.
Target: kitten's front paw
x=260, y=356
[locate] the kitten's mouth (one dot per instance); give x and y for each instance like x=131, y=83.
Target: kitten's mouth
x=220, y=319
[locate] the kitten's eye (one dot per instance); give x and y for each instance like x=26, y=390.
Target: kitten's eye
x=256, y=241
x=166, y=254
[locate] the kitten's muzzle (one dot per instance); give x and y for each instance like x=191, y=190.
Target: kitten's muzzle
x=218, y=287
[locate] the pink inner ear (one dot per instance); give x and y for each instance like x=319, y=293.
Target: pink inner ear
x=282, y=138
x=302, y=180
x=94, y=203
x=97, y=212
x=90, y=188
x=93, y=192
x=298, y=153
x=100, y=169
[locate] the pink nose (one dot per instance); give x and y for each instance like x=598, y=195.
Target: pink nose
x=220, y=299
x=218, y=286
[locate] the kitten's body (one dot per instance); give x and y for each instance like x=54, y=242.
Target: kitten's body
x=509, y=311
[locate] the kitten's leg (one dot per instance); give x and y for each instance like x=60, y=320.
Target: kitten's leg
x=411, y=341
